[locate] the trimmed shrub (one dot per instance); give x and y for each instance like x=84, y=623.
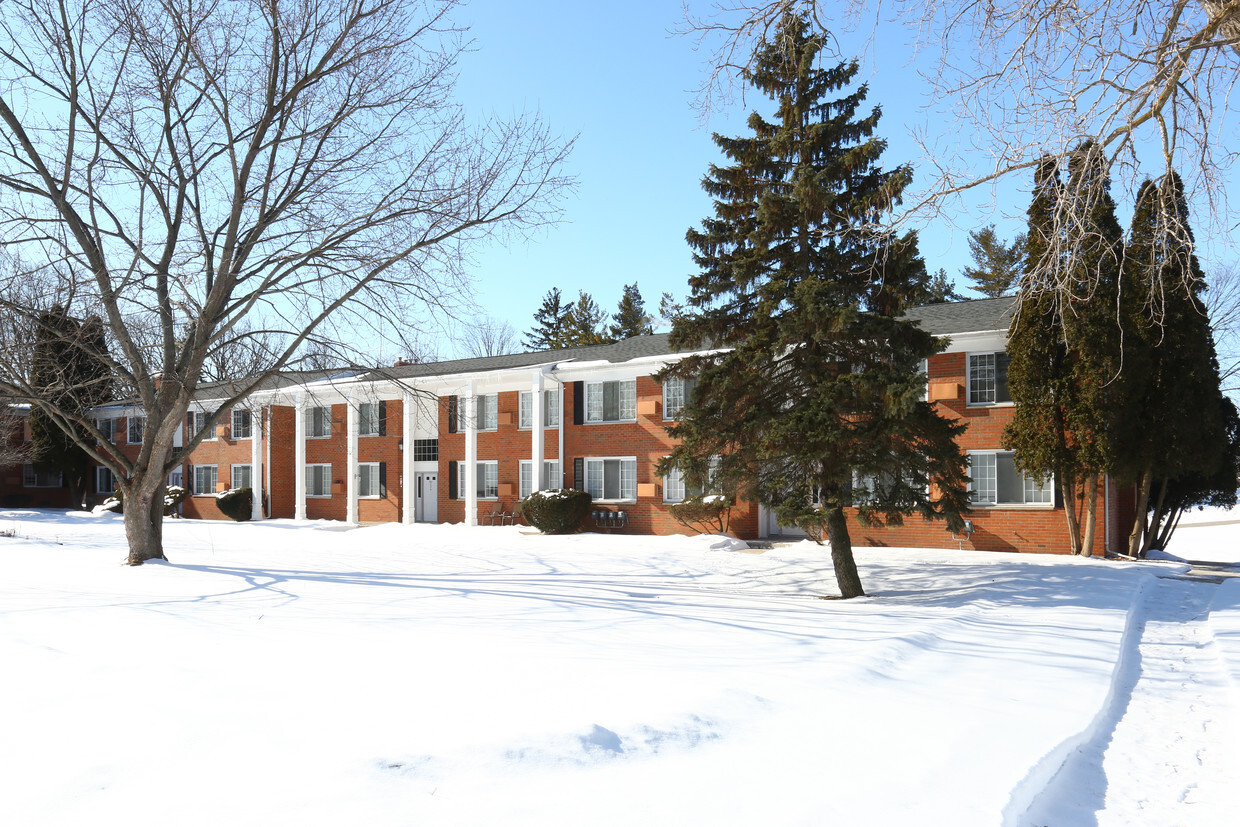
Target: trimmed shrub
x=114, y=503
x=174, y=495
x=557, y=510
x=706, y=514
x=237, y=504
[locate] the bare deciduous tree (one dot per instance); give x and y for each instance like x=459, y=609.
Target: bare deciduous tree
x=491, y=337
x=192, y=165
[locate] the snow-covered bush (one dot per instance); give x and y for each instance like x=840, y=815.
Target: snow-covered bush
x=706, y=514
x=557, y=510
x=237, y=503
x=114, y=503
x=174, y=495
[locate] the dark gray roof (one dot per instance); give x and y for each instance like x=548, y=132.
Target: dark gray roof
x=965, y=317
x=634, y=348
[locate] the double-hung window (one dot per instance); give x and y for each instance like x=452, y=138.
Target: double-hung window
x=205, y=479
x=611, y=478
x=137, y=427
x=988, y=378
x=319, y=480
x=242, y=427
x=319, y=423
x=36, y=478
x=995, y=480
x=611, y=401
x=241, y=476
x=551, y=409
x=676, y=391
x=200, y=423
x=487, y=486
x=676, y=489
x=107, y=427
x=550, y=476
x=370, y=480
x=105, y=483
x=369, y=415
x=486, y=413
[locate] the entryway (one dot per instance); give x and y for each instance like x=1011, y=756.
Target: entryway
x=426, y=498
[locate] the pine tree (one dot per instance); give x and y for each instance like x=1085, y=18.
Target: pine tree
x=585, y=323
x=631, y=318
x=1177, y=439
x=1065, y=361
x=939, y=289
x=816, y=405
x=998, y=266
x=549, y=323
x=68, y=368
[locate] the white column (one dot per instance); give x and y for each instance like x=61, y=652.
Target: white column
x=256, y=461
x=471, y=455
x=351, y=470
x=536, y=431
x=408, y=485
x=299, y=459
x=560, y=429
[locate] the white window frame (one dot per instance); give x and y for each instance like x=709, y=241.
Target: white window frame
x=487, y=479
x=327, y=480
x=626, y=401
x=105, y=480
x=601, y=476
x=369, y=472
x=311, y=431
x=242, y=415
x=971, y=398
x=1045, y=493
x=551, y=476
x=215, y=480
x=232, y=475
x=551, y=409
x=362, y=419
x=200, y=419
x=134, y=435
x=31, y=477
x=675, y=396
x=674, y=488
x=486, y=413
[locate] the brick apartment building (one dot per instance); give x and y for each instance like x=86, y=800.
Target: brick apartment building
x=464, y=440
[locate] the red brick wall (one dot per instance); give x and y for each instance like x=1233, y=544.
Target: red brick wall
x=222, y=452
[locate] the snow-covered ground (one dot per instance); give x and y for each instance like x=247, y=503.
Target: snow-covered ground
x=300, y=674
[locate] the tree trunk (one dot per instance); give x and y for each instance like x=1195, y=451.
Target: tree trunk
x=1136, y=538
x=144, y=518
x=846, y=575
x=1069, y=508
x=1091, y=517
x=1155, y=527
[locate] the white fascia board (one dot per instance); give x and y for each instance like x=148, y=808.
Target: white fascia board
x=977, y=340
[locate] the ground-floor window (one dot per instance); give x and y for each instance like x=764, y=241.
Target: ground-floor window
x=676, y=489
x=34, y=478
x=611, y=478
x=205, y=479
x=370, y=482
x=995, y=480
x=241, y=476
x=488, y=479
x=319, y=480
x=550, y=476
x=105, y=483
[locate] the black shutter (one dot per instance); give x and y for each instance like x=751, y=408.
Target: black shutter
x=452, y=478
x=189, y=479
x=579, y=402
x=452, y=404
x=382, y=479
x=382, y=425
x=579, y=474
x=1001, y=377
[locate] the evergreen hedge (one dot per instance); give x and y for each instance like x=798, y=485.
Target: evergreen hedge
x=237, y=504
x=557, y=510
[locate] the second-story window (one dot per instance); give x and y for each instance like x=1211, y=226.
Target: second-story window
x=370, y=419
x=319, y=422
x=486, y=413
x=611, y=401
x=988, y=378
x=241, y=426
x=551, y=409
x=676, y=391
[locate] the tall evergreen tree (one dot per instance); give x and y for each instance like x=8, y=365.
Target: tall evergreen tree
x=816, y=405
x=1178, y=436
x=68, y=368
x=1064, y=372
x=939, y=289
x=585, y=323
x=549, y=323
x=631, y=318
x=997, y=266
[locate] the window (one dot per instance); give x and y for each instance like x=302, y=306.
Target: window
x=319, y=422
x=241, y=425
x=370, y=480
x=36, y=478
x=137, y=427
x=551, y=409
x=988, y=378
x=241, y=476
x=612, y=479
x=107, y=427
x=869, y=489
x=486, y=412
x=204, y=480
x=611, y=401
x=550, y=476
x=676, y=391
x=199, y=423
x=105, y=483
x=676, y=489
x=995, y=480
x=319, y=480
x=488, y=479
x=370, y=419
x=425, y=450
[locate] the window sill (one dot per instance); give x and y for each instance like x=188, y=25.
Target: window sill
x=318, y=436
x=632, y=421
x=614, y=502
x=1014, y=506
x=318, y=496
x=987, y=404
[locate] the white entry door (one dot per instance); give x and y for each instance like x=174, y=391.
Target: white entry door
x=426, y=503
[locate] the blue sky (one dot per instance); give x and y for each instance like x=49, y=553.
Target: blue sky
x=613, y=74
